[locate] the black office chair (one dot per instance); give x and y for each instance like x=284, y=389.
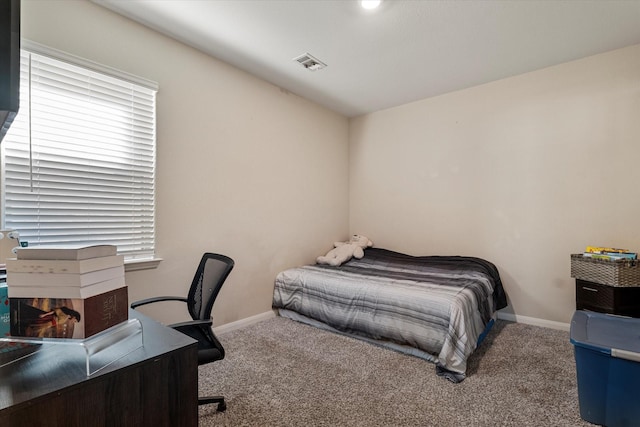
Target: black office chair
x=211, y=274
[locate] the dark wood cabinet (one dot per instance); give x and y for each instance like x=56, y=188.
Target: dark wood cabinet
x=156, y=385
x=621, y=300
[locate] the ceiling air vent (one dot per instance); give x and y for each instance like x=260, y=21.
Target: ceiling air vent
x=309, y=62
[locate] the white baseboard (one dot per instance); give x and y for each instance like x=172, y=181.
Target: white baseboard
x=239, y=324
x=533, y=321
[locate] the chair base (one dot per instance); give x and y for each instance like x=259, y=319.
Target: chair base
x=222, y=406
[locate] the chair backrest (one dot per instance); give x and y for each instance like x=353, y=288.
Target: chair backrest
x=211, y=274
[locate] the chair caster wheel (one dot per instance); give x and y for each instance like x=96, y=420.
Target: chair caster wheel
x=222, y=407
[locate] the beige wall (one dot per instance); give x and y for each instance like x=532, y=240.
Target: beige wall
x=243, y=168
x=522, y=171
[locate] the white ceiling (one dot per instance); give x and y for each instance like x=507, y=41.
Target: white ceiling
x=402, y=52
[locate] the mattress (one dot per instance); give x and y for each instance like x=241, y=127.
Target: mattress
x=434, y=307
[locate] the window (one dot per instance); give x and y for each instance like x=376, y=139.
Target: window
x=78, y=163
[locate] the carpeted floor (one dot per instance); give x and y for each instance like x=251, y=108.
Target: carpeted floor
x=283, y=373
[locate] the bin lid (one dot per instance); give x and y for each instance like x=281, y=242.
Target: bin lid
x=605, y=330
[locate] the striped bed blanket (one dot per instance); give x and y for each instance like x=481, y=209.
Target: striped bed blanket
x=434, y=307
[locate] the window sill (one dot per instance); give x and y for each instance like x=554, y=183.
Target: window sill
x=141, y=264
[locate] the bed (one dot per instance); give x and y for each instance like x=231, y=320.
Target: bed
x=438, y=308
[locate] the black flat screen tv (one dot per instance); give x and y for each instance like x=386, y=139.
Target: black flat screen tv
x=9, y=63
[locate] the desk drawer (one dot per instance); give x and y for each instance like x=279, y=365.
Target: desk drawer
x=622, y=300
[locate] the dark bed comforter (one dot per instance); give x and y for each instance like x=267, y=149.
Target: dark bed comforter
x=439, y=305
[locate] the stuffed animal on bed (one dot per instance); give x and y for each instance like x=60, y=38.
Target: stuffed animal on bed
x=343, y=251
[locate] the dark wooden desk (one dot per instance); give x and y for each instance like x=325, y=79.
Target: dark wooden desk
x=156, y=385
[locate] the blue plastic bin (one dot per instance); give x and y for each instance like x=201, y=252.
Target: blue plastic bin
x=607, y=352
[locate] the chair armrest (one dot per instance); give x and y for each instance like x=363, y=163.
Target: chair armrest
x=156, y=299
x=191, y=323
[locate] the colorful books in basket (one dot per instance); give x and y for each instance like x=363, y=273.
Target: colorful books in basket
x=609, y=254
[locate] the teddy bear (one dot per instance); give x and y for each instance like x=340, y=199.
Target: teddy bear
x=343, y=251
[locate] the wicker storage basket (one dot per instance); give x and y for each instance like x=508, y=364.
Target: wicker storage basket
x=605, y=272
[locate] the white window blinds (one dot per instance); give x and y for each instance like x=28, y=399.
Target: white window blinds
x=78, y=162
